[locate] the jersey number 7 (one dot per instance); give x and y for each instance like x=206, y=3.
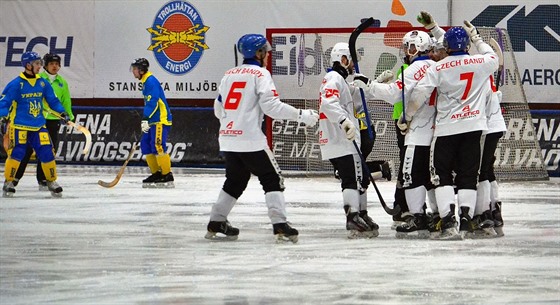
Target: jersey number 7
x=234, y=95
x=468, y=77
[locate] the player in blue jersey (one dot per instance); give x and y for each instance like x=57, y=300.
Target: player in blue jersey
x=21, y=103
x=156, y=124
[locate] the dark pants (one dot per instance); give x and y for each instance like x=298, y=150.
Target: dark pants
x=52, y=126
x=487, y=163
x=458, y=153
x=240, y=166
x=400, y=199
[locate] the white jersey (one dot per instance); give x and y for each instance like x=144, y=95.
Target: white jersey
x=420, y=131
x=336, y=104
x=462, y=90
x=246, y=94
x=496, y=122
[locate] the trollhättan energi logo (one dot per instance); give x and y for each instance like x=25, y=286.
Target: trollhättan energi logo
x=178, y=37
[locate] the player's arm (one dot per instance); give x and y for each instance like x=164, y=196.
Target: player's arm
x=150, y=99
x=490, y=57
x=66, y=100
x=421, y=92
x=8, y=95
x=270, y=102
x=391, y=93
x=429, y=23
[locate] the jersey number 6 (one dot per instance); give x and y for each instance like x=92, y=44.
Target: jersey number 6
x=234, y=95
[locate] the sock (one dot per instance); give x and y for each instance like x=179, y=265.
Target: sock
x=152, y=163
x=10, y=169
x=49, y=168
x=164, y=162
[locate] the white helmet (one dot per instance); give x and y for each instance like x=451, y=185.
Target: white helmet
x=421, y=41
x=340, y=49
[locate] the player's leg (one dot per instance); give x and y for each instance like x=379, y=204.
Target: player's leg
x=467, y=169
x=400, y=198
x=52, y=127
x=352, y=177
x=237, y=178
x=162, y=157
x=442, y=160
x=416, y=175
x=18, y=139
x=41, y=143
x=263, y=165
x=495, y=203
x=148, y=149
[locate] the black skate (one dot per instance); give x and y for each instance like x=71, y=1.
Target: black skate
x=150, y=182
x=356, y=226
x=364, y=215
x=498, y=221
x=15, y=182
x=415, y=227
x=400, y=219
x=449, y=226
x=434, y=225
x=284, y=232
x=165, y=181
x=55, y=189
x=8, y=190
x=466, y=224
x=226, y=231
x=484, y=225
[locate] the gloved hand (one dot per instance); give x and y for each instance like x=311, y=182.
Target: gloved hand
x=472, y=32
x=426, y=20
x=3, y=125
x=385, y=77
x=403, y=126
x=64, y=118
x=145, y=126
x=349, y=129
x=361, y=81
x=309, y=117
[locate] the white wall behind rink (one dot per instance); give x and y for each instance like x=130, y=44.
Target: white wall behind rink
x=108, y=35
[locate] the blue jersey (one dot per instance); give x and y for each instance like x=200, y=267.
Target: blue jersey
x=25, y=97
x=156, y=109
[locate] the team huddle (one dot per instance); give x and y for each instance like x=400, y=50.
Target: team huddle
x=448, y=129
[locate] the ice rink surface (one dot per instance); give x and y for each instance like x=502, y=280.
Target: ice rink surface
x=129, y=245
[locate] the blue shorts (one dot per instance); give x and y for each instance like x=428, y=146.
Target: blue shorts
x=39, y=140
x=155, y=141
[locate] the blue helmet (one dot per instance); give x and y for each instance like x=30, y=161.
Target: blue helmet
x=29, y=57
x=249, y=44
x=456, y=38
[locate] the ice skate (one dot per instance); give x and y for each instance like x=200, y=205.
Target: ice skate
x=375, y=228
x=449, y=226
x=498, y=221
x=356, y=226
x=466, y=224
x=165, y=181
x=484, y=225
x=15, y=182
x=54, y=188
x=43, y=186
x=400, y=219
x=150, y=182
x=221, y=230
x=8, y=190
x=416, y=227
x=434, y=225
x=284, y=232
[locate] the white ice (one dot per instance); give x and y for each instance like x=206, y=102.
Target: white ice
x=129, y=245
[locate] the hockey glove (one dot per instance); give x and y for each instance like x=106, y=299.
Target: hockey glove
x=426, y=20
x=309, y=117
x=64, y=118
x=361, y=81
x=145, y=126
x=403, y=126
x=472, y=32
x=349, y=129
x=385, y=77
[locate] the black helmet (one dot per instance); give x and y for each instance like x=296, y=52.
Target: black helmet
x=141, y=63
x=49, y=57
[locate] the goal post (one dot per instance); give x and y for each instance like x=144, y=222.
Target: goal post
x=300, y=58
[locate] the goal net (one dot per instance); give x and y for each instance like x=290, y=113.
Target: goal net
x=300, y=58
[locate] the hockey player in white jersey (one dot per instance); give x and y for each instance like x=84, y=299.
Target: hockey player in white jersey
x=418, y=129
x=246, y=94
x=462, y=87
x=487, y=213
x=338, y=129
